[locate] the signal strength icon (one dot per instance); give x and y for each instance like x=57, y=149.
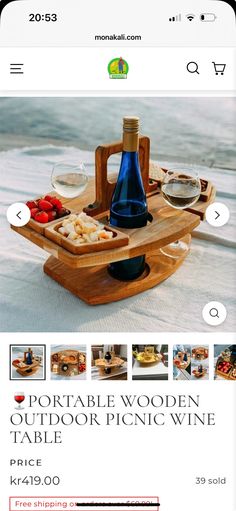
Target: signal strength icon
x=176, y=18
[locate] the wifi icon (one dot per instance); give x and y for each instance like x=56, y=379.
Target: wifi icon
x=190, y=17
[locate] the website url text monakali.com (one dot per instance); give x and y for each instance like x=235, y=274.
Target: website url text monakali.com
x=116, y=37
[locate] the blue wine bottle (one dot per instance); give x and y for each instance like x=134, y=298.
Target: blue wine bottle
x=28, y=357
x=129, y=205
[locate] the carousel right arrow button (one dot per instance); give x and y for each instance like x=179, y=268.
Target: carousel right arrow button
x=217, y=214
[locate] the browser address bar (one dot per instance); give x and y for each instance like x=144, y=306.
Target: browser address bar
x=138, y=69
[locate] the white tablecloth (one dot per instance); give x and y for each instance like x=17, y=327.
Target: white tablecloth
x=119, y=371
x=31, y=301
x=149, y=372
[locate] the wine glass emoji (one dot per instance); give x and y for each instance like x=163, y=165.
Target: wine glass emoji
x=19, y=398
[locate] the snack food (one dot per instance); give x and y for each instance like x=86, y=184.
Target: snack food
x=84, y=229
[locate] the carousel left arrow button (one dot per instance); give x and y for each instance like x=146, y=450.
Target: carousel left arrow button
x=18, y=214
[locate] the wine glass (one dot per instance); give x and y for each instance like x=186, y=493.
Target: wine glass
x=181, y=188
x=19, y=398
x=69, y=179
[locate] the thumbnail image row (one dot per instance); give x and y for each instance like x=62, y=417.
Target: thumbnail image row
x=110, y=362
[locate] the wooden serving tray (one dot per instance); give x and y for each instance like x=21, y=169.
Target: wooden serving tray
x=155, y=359
x=119, y=239
x=27, y=366
x=70, y=358
x=199, y=375
x=37, y=226
x=28, y=369
x=103, y=364
x=226, y=376
x=66, y=356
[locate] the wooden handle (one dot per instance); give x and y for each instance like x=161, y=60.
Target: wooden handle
x=104, y=187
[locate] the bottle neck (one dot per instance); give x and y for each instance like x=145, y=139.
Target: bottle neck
x=130, y=142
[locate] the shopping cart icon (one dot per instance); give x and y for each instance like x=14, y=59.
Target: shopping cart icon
x=219, y=68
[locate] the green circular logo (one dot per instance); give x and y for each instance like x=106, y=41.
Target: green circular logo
x=118, y=68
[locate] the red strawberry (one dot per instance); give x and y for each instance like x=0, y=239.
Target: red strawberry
x=41, y=217
x=31, y=204
x=52, y=215
x=48, y=198
x=56, y=203
x=44, y=205
x=33, y=212
x=82, y=368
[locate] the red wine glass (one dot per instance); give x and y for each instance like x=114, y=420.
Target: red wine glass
x=19, y=398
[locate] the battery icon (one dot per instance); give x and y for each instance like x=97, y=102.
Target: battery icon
x=208, y=16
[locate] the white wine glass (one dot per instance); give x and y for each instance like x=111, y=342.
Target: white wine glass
x=181, y=189
x=69, y=179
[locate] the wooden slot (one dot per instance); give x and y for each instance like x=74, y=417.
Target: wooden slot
x=206, y=190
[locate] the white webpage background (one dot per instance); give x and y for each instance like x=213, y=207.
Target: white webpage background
x=148, y=460
x=155, y=460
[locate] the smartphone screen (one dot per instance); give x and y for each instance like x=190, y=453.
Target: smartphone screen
x=118, y=207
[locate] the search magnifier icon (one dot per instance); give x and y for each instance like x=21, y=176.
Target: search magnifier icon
x=214, y=313
x=192, y=67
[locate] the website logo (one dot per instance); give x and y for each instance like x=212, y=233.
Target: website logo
x=118, y=68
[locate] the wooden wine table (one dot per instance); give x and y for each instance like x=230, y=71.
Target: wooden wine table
x=86, y=275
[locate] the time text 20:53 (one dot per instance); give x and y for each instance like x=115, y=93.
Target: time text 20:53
x=43, y=17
